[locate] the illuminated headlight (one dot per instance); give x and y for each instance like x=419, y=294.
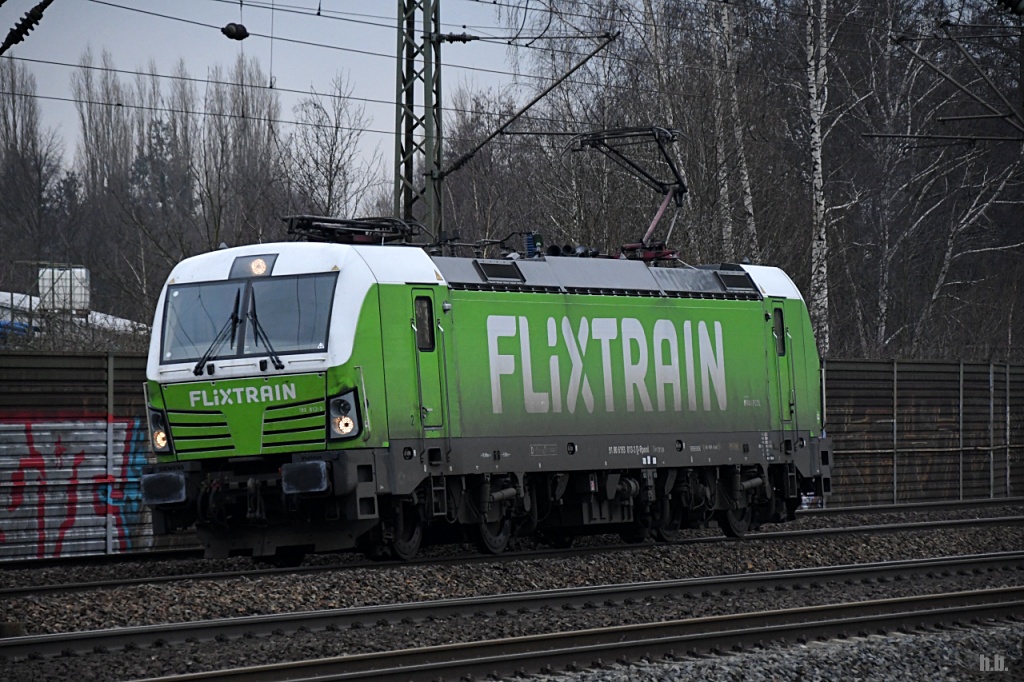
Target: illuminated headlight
x=343, y=425
x=159, y=432
x=253, y=266
x=343, y=416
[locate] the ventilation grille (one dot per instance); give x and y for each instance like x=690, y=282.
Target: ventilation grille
x=288, y=426
x=194, y=432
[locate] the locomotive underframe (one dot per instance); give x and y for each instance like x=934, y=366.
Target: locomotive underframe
x=390, y=500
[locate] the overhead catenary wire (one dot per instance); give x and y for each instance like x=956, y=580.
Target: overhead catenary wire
x=750, y=8
x=578, y=82
x=536, y=77
x=532, y=118
x=207, y=114
x=211, y=81
x=390, y=56
x=674, y=93
x=309, y=43
x=388, y=21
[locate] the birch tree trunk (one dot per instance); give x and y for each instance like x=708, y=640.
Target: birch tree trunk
x=721, y=157
x=816, y=47
x=751, y=249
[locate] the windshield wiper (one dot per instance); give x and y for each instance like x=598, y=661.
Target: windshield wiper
x=261, y=334
x=229, y=328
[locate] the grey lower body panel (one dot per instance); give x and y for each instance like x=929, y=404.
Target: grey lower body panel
x=411, y=462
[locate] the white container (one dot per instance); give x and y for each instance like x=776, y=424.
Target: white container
x=64, y=289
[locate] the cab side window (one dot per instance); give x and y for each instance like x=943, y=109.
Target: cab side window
x=424, y=324
x=780, y=332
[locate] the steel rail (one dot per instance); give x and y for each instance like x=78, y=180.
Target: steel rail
x=594, y=647
x=146, y=555
x=940, y=505
x=193, y=551
x=502, y=604
x=65, y=588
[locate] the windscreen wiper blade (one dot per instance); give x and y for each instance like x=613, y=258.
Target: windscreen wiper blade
x=261, y=334
x=229, y=329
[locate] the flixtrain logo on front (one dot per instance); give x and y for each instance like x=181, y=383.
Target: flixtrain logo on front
x=216, y=397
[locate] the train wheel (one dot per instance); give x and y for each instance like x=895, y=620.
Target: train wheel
x=735, y=522
x=671, y=531
x=407, y=543
x=492, y=537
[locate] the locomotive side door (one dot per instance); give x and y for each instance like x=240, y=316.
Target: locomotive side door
x=783, y=364
x=428, y=361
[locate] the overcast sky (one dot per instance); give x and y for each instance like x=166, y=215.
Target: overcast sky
x=354, y=38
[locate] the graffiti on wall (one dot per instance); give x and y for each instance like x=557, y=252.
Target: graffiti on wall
x=71, y=486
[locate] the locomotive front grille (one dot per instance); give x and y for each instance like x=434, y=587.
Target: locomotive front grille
x=288, y=426
x=194, y=432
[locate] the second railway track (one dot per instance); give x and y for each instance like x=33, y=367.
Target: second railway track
x=572, y=650
x=1007, y=565
x=75, y=586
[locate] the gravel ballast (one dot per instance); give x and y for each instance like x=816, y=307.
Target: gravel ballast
x=13, y=574
x=200, y=600
x=937, y=657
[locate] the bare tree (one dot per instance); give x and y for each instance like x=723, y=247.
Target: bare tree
x=487, y=198
x=918, y=211
x=817, y=45
x=328, y=174
x=751, y=249
x=165, y=177
x=30, y=170
x=239, y=173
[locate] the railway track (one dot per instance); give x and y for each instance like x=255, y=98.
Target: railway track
x=594, y=648
x=195, y=552
x=63, y=588
x=943, y=505
x=1008, y=565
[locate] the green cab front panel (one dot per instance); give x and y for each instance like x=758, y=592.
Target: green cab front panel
x=242, y=417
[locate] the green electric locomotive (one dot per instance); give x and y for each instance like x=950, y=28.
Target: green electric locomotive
x=317, y=396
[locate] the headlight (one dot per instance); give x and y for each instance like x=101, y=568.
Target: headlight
x=159, y=433
x=343, y=416
x=253, y=266
x=343, y=425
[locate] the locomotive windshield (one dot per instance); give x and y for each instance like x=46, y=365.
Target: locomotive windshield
x=293, y=313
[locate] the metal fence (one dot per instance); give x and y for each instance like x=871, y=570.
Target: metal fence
x=72, y=445
x=73, y=442
x=924, y=431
